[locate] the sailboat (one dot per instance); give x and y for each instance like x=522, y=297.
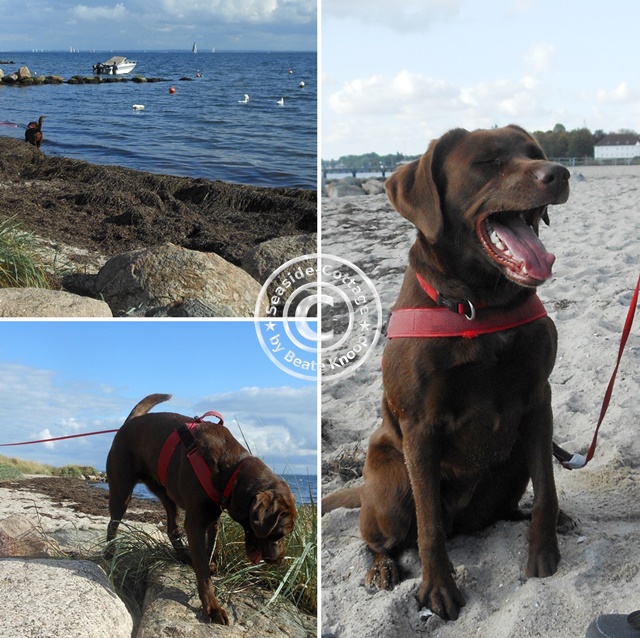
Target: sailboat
x=194, y=48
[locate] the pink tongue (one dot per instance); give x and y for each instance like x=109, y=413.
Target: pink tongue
x=525, y=247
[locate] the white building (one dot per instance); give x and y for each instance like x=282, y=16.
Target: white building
x=617, y=146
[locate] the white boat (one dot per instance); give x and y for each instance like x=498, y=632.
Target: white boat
x=117, y=65
x=194, y=49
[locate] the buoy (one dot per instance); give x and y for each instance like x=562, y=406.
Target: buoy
x=281, y=101
x=290, y=71
x=138, y=107
x=301, y=85
x=197, y=75
x=172, y=89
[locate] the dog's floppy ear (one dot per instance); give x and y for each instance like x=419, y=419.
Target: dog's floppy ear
x=414, y=189
x=265, y=513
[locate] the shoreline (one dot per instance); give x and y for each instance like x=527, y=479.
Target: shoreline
x=128, y=208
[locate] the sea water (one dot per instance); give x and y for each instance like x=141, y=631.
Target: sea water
x=303, y=487
x=203, y=129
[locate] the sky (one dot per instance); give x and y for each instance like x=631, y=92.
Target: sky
x=69, y=377
x=134, y=25
x=396, y=75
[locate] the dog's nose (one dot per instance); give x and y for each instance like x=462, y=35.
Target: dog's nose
x=551, y=172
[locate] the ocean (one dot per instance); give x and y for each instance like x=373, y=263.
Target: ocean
x=304, y=488
x=202, y=130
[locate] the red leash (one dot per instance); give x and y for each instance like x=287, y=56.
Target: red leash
x=58, y=438
x=577, y=461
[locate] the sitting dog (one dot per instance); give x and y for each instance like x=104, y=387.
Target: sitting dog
x=254, y=496
x=33, y=134
x=466, y=412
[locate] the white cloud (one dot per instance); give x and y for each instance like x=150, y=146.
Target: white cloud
x=621, y=93
x=400, y=15
x=389, y=96
x=243, y=11
x=542, y=57
x=278, y=424
x=83, y=12
x=42, y=435
x=409, y=109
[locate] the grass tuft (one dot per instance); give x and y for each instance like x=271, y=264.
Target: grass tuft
x=18, y=267
x=138, y=555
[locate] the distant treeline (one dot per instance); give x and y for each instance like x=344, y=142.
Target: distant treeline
x=557, y=143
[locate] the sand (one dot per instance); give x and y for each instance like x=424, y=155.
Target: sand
x=72, y=512
x=596, y=238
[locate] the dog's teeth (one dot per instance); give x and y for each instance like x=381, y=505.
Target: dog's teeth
x=495, y=240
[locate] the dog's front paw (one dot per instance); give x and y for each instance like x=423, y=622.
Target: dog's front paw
x=442, y=597
x=217, y=615
x=543, y=561
x=383, y=575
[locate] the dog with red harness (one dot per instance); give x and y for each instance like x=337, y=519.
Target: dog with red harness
x=199, y=467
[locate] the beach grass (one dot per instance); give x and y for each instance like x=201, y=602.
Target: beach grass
x=15, y=468
x=139, y=555
x=19, y=267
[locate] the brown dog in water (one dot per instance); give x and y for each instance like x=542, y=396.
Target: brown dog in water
x=466, y=420
x=33, y=134
x=259, y=500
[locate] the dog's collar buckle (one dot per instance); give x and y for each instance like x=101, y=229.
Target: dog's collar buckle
x=465, y=307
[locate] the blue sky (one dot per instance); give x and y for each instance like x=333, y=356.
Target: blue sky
x=397, y=74
x=68, y=377
x=275, y=25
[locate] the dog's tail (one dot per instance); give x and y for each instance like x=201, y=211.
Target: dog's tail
x=146, y=404
x=349, y=498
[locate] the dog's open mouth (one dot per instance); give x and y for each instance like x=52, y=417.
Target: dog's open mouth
x=511, y=240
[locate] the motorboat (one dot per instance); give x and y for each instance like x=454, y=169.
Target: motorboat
x=117, y=65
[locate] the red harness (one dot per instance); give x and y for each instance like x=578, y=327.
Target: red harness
x=184, y=433
x=459, y=318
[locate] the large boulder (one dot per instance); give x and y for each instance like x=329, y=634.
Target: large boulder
x=262, y=260
x=46, y=597
x=40, y=302
x=341, y=189
x=19, y=537
x=23, y=73
x=168, y=275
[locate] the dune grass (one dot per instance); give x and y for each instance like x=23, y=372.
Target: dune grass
x=19, y=268
x=15, y=468
x=138, y=555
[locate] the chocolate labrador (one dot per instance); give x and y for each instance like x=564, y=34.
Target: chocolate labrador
x=254, y=496
x=466, y=412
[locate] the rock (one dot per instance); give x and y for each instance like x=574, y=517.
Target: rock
x=171, y=608
x=10, y=79
x=168, y=275
x=19, y=537
x=23, y=73
x=40, y=302
x=262, y=260
x=373, y=187
x=340, y=189
x=1, y=74
x=45, y=597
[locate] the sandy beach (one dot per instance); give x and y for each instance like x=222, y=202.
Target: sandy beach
x=71, y=511
x=595, y=237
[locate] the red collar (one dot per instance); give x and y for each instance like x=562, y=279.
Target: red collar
x=459, y=318
x=202, y=470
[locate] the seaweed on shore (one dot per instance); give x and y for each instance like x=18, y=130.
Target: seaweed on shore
x=110, y=209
